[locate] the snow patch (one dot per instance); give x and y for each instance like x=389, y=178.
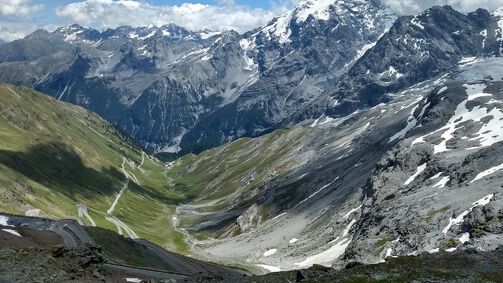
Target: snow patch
x=269, y=252
x=152, y=33
x=442, y=182
x=363, y=50
x=319, y=9
x=208, y=34
x=331, y=254
x=420, y=170
x=133, y=35
x=487, y=172
x=13, y=232
x=348, y=228
x=458, y=220
x=281, y=28
x=490, y=133
x=484, y=35
x=411, y=121
x=346, y=216
x=417, y=23
x=393, y=73
x=436, y=176
x=465, y=237
x=4, y=221
x=318, y=191
x=467, y=61
x=270, y=267
x=442, y=90
x=293, y=241
x=326, y=256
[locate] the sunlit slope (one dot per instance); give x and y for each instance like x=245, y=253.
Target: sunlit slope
x=232, y=188
x=55, y=156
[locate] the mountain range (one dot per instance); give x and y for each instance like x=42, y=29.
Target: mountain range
x=174, y=90
x=337, y=133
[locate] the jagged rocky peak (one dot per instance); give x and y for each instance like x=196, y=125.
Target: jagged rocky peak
x=416, y=48
x=169, y=31
x=339, y=55
x=361, y=14
x=70, y=28
x=77, y=34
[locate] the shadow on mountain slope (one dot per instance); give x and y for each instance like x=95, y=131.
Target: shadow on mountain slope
x=59, y=167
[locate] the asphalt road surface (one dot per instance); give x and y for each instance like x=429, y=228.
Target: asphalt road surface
x=73, y=234
x=186, y=265
x=177, y=266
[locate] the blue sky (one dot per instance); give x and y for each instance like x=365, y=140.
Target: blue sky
x=48, y=13
x=20, y=17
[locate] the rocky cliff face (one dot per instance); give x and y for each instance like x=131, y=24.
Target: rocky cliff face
x=415, y=49
x=395, y=138
x=420, y=173
x=175, y=90
x=178, y=91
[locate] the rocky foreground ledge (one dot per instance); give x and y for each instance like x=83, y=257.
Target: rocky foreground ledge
x=57, y=264
x=459, y=266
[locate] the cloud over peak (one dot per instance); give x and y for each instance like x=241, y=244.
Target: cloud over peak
x=112, y=13
x=17, y=16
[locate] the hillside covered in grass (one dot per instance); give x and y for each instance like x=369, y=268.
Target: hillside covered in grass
x=57, y=159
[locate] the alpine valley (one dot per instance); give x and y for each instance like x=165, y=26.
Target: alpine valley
x=337, y=135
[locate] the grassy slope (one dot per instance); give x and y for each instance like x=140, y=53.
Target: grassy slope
x=222, y=175
x=54, y=155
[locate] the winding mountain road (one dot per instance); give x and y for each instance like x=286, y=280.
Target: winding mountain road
x=186, y=265
x=84, y=212
x=121, y=226
x=72, y=233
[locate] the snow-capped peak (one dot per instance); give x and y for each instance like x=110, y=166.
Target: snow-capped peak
x=320, y=9
x=71, y=33
x=69, y=28
x=279, y=27
x=323, y=10
x=205, y=34
x=498, y=12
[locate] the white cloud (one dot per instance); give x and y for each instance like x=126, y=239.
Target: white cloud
x=226, y=14
x=410, y=7
x=18, y=7
x=112, y=13
x=16, y=21
x=13, y=28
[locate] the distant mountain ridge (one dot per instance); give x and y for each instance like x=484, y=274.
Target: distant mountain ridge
x=176, y=91
x=366, y=136
x=59, y=160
